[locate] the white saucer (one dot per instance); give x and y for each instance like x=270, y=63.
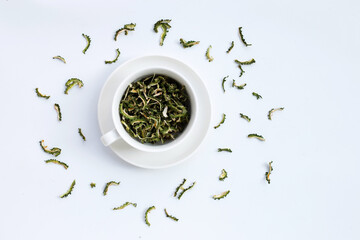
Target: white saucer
x=159, y=159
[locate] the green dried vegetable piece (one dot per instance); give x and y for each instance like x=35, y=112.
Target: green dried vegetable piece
x=222, y=121
x=125, y=205
x=41, y=95
x=258, y=96
x=57, y=162
x=187, y=44
x=223, y=175
x=242, y=37
x=92, y=185
x=179, y=187
x=186, y=189
x=88, y=41
x=165, y=26
x=272, y=111
x=116, y=58
x=223, y=82
x=60, y=58
x=58, y=111
x=221, y=195
x=249, y=62
x=241, y=70
x=254, y=135
x=69, y=191
x=108, y=185
x=146, y=215
x=125, y=29
x=170, y=216
x=72, y=82
x=81, y=134
x=207, y=54
x=241, y=87
x=245, y=117
x=54, y=151
x=224, y=150
x=267, y=174
x=231, y=47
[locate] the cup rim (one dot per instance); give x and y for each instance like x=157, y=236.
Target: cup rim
x=148, y=147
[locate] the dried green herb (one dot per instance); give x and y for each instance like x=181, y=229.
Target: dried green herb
x=58, y=111
x=223, y=82
x=245, y=117
x=170, y=216
x=241, y=87
x=88, y=41
x=125, y=205
x=116, y=58
x=242, y=37
x=207, y=54
x=165, y=26
x=267, y=174
x=231, y=47
x=108, y=185
x=249, y=62
x=221, y=195
x=57, y=162
x=125, y=29
x=179, y=187
x=155, y=109
x=92, y=185
x=69, y=191
x=254, y=135
x=54, y=151
x=222, y=121
x=272, y=111
x=81, y=134
x=258, y=96
x=187, y=44
x=72, y=82
x=186, y=189
x=60, y=58
x=223, y=175
x=241, y=70
x=41, y=95
x=146, y=215
x=224, y=150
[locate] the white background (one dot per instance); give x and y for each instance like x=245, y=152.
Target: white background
x=307, y=60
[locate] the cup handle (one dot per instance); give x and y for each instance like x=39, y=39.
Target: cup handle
x=110, y=137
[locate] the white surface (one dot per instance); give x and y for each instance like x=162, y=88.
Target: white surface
x=189, y=141
x=307, y=55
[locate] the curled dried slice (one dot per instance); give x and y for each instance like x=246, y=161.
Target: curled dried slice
x=60, y=58
x=108, y=185
x=245, y=117
x=125, y=205
x=69, y=191
x=231, y=47
x=241, y=87
x=222, y=121
x=242, y=37
x=187, y=44
x=272, y=111
x=257, y=136
x=224, y=150
x=72, y=82
x=186, y=189
x=207, y=54
x=58, y=111
x=92, y=185
x=146, y=215
x=223, y=175
x=54, y=151
x=116, y=58
x=179, y=187
x=223, y=82
x=267, y=174
x=165, y=26
x=221, y=195
x=258, y=96
x=125, y=29
x=170, y=216
x=248, y=62
x=88, y=42
x=41, y=95
x=81, y=134
x=57, y=162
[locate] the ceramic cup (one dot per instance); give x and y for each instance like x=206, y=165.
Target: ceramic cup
x=119, y=131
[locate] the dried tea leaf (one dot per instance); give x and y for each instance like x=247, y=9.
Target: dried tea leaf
x=221, y=195
x=254, y=135
x=272, y=111
x=69, y=191
x=242, y=37
x=57, y=162
x=54, y=151
x=88, y=42
x=207, y=54
x=41, y=95
x=187, y=44
x=60, y=58
x=116, y=58
x=222, y=121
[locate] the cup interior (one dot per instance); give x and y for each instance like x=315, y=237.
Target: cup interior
x=149, y=147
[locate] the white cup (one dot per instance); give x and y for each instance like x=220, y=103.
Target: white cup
x=119, y=131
